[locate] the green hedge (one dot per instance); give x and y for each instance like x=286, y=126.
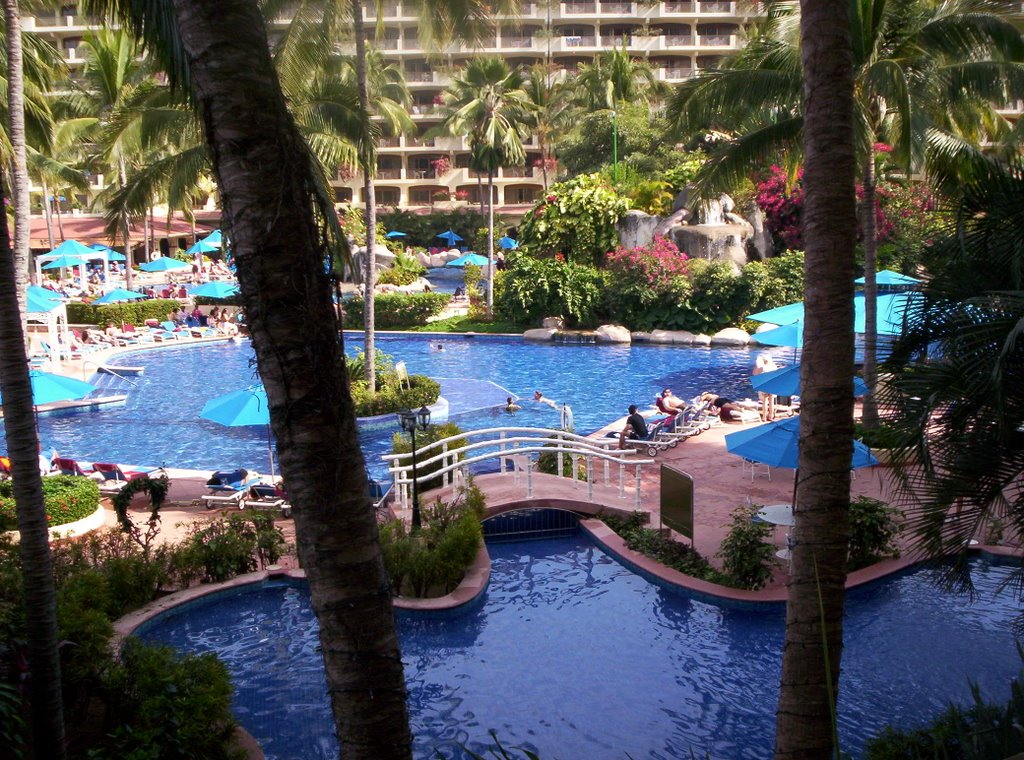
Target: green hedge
x=67, y=499
x=393, y=310
x=133, y=312
x=235, y=300
x=389, y=398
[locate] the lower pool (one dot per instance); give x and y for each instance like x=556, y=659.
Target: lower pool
x=574, y=656
x=159, y=423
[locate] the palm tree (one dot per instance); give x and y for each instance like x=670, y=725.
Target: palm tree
x=549, y=110
x=805, y=725
x=922, y=70
x=486, y=103
x=37, y=570
x=272, y=194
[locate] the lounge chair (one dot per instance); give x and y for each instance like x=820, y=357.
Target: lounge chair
x=228, y=488
x=72, y=467
x=267, y=496
x=114, y=478
x=5, y=467
x=655, y=440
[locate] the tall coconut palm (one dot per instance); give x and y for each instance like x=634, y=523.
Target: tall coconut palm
x=549, y=111
x=922, y=69
x=23, y=446
x=809, y=683
x=487, y=104
x=272, y=198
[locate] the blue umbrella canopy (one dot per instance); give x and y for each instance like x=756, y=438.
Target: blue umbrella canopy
x=72, y=248
x=786, y=382
x=41, y=300
x=396, y=234
x=201, y=246
x=48, y=387
x=508, y=243
x=65, y=261
x=240, y=408
x=215, y=290
x=112, y=255
x=469, y=258
x=214, y=238
x=163, y=264
x=120, y=294
x=449, y=236
x=777, y=444
x=787, y=335
x=892, y=310
x=889, y=277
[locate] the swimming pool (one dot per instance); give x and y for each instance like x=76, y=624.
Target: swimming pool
x=574, y=656
x=159, y=424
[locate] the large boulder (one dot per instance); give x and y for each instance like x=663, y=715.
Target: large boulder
x=553, y=323
x=730, y=336
x=702, y=340
x=684, y=337
x=636, y=229
x=423, y=258
x=722, y=242
x=760, y=245
x=540, y=333
x=438, y=260
x=612, y=334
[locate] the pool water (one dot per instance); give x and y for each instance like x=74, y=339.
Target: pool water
x=574, y=656
x=160, y=425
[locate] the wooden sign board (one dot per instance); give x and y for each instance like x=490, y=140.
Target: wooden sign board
x=677, y=501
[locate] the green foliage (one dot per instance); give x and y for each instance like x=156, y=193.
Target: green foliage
x=980, y=731
x=653, y=196
x=881, y=437
x=747, y=552
x=67, y=499
x=432, y=561
x=422, y=230
x=651, y=543
x=390, y=397
x=405, y=270
x=464, y=324
x=396, y=310
x=774, y=282
x=383, y=365
x=532, y=289
x=547, y=461
x=684, y=171
x=575, y=218
x=873, y=532
x=353, y=222
x=648, y=285
x=401, y=443
x=719, y=298
x=169, y=706
x=12, y=724
x=132, y=312
x=215, y=551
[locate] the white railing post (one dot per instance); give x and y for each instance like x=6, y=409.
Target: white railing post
x=561, y=461
x=501, y=459
x=607, y=472
x=529, y=477
x=637, y=500
x=590, y=478
x=622, y=480
x=446, y=476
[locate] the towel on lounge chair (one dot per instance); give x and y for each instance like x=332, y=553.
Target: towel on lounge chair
x=230, y=480
x=114, y=478
x=72, y=467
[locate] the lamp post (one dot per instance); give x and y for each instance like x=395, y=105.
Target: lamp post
x=410, y=421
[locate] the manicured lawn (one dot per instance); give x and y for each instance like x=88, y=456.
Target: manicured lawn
x=465, y=324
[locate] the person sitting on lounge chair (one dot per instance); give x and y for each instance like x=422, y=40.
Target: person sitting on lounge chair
x=725, y=409
x=671, y=404
x=636, y=427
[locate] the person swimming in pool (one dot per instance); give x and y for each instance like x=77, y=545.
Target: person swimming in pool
x=511, y=406
x=540, y=399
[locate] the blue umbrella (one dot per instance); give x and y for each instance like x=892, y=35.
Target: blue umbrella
x=72, y=248
x=64, y=262
x=786, y=382
x=891, y=278
x=469, y=258
x=214, y=239
x=777, y=444
x=892, y=310
x=112, y=255
x=450, y=237
x=41, y=300
x=163, y=264
x=215, y=290
x=120, y=294
x=786, y=335
x=201, y=246
x=508, y=243
x=48, y=387
x=781, y=315
x=395, y=234
x=242, y=408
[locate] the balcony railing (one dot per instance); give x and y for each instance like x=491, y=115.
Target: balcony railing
x=416, y=173
x=574, y=41
x=517, y=171
x=616, y=40
x=419, y=142
x=675, y=6
x=716, y=6
x=716, y=40
x=679, y=40
x=389, y=142
x=389, y=174
x=517, y=42
x=389, y=43
x=676, y=73
x=617, y=8
x=571, y=8
x=419, y=76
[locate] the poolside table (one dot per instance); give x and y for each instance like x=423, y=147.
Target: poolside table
x=777, y=514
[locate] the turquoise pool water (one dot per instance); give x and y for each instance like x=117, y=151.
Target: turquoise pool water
x=574, y=656
x=159, y=424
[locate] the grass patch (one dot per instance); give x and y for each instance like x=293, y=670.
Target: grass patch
x=464, y=324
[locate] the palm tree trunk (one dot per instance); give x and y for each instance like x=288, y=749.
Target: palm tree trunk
x=122, y=174
x=814, y=610
x=19, y=169
x=480, y=190
x=263, y=167
x=368, y=160
x=48, y=213
x=60, y=218
x=869, y=412
x=37, y=571
x=490, y=243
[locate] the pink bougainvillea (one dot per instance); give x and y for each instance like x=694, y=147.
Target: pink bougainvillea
x=782, y=206
x=657, y=263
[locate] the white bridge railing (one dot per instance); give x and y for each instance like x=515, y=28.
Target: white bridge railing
x=516, y=449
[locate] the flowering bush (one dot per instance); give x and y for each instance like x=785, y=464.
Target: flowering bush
x=532, y=289
x=783, y=206
x=576, y=217
x=462, y=195
x=441, y=166
x=655, y=264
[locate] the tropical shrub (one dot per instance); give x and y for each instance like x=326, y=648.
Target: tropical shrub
x=392, y=310
x=131, y=313
x=405, y=270
x=774, y=282
x=576, y=218
x=215, y=551
x=433, y=560
x=647, y=285
x=390, y=396
x=873, y=532
x=640, y=537
x=531, y=289
x=747, y=552
x=401, y=443
x=782, y=199
x=719, y=298
x=65, y=497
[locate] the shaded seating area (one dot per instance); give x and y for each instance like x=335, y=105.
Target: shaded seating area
x=228, y=488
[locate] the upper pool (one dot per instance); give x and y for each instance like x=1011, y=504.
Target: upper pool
x=160, y=425
x=573, y=655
